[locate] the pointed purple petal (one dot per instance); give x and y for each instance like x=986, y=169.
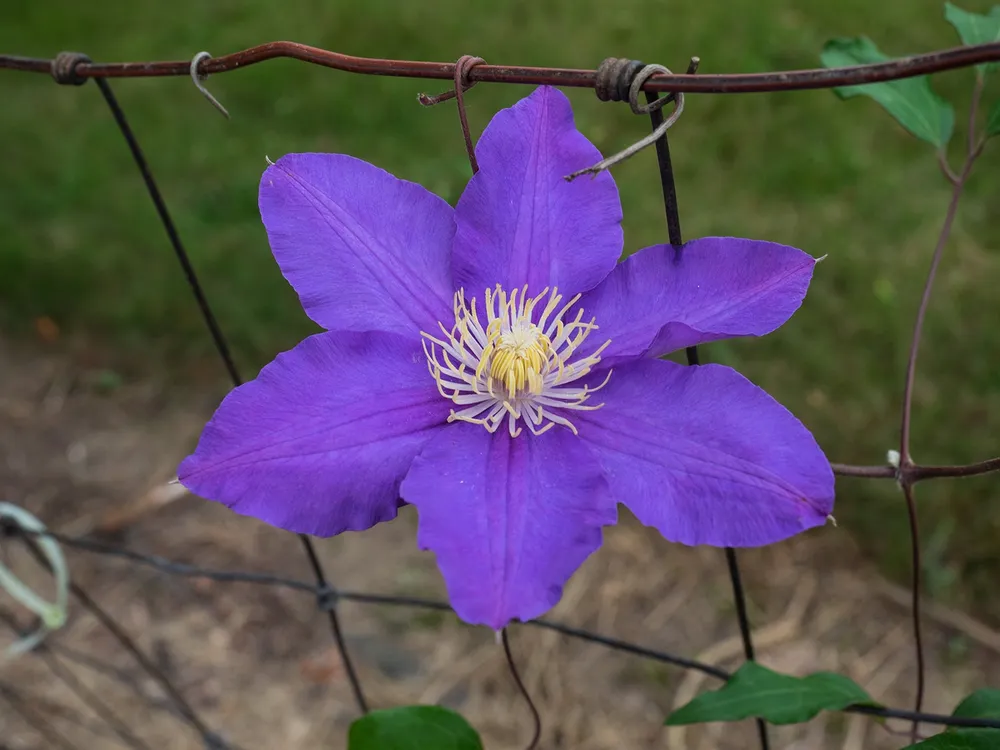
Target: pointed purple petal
x=320, y=441
x=665, y=298
x=706, y=457
x=364, y=250
x=510, y=519
x=519, y=221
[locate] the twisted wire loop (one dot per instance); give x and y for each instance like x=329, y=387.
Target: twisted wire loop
x=199, y=81
x=463, y=67
x=620, y=79
x=327, y=598
x=614, y=77
x=63, y=68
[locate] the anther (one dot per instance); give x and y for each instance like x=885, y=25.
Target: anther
x=515, y=364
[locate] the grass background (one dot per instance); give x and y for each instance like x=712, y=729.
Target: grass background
x=80, y=242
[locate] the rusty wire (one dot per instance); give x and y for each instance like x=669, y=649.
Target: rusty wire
x=732, y=83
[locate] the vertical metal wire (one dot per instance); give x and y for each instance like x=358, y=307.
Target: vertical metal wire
x=222, y=347
x=675, y=237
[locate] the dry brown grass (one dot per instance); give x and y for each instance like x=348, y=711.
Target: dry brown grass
x=258, y=662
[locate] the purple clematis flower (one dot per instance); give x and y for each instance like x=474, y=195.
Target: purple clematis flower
x=495, y=366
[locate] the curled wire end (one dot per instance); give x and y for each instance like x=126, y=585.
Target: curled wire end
x=463, y=67
x=592, y=171
x=52, y=615
x=629, y=75
x=199, y=81
x=428, y=100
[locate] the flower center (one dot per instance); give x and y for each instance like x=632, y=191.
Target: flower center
x=521, y=365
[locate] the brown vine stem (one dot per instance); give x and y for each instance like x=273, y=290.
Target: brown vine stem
x=918, y=643
x=868, y=472
x=905, y=460
x=911, y=365
x=915, y=472
x=949, y=219
x=977, y=93
x=935, y=472
x=946, y=167
x=512, y=666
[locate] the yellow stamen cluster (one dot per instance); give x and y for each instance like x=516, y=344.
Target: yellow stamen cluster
x=519, y=365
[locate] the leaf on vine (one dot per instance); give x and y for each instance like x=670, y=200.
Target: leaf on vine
x=982, y=704
x=911, y=101
x=993, y=121
x=975, y=28
x=756, y=691
x=413, y=728
x=967, y=739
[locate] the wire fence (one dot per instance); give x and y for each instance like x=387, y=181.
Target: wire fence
x=611, y=81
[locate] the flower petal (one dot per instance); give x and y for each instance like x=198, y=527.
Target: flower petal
x=510, y=519
x=665, y=298
x=364, y=250
x=320, y=441
x=519, y=221
x=706, y=457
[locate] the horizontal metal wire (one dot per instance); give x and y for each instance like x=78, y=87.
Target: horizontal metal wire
x=725, y=83
x=188, y=570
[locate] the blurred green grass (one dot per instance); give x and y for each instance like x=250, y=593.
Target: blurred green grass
x=82, y=245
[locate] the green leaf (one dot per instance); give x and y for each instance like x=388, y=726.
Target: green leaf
x=413, y=728
x=967, y=739
x=974, y=28
x=911, y=101
x=993, y=121
x=756, y=691
x=982, y=704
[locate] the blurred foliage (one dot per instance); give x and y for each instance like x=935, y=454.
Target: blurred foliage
x=82, y=246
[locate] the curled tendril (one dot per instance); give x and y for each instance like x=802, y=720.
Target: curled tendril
x=51, y=614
